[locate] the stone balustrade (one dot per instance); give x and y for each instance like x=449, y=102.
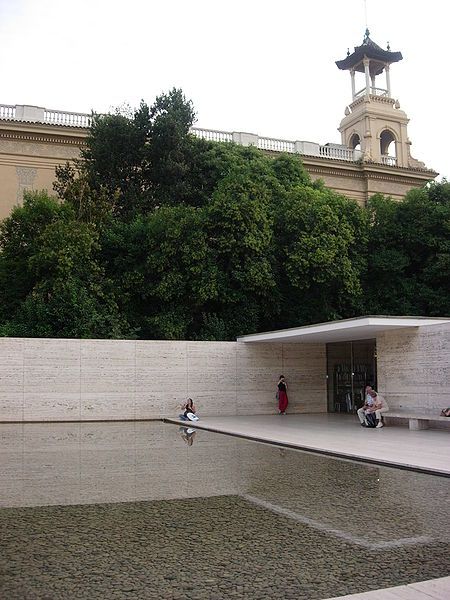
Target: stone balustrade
x=37, y=114
x=7, y=111
x=373, y=92
x=276, y=145
x=391, y=161
x=69, y=119
x=213, y=135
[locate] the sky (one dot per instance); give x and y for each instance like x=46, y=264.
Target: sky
x=259, y=66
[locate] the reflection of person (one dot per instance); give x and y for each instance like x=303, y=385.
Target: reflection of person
x=282, y=395
x=188, y=435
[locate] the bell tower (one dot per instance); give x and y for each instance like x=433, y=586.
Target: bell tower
x=373, y=122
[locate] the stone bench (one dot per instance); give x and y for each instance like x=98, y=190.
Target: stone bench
x=416, y=421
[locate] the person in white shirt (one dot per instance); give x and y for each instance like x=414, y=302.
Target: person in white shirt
x=367, y=407
x=379, y=407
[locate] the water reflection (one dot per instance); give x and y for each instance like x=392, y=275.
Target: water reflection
x=303, y=525
x=187, y=435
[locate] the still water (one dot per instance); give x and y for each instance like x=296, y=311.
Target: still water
x=149, y=510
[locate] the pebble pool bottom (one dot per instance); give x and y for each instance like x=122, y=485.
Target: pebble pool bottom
x=150, y=510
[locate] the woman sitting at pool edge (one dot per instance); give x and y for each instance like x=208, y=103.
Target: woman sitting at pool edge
x=189, y=411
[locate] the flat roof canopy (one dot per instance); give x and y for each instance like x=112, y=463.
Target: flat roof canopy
x=360, y=328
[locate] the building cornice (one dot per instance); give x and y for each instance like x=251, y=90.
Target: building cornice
x=36, y=137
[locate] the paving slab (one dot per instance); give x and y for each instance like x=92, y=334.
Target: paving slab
x=341, y=435
x=435, y=589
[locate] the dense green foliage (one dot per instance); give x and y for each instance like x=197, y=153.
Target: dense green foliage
x=409, y=259
x=158, y=234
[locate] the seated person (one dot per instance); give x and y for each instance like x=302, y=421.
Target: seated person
x=380, y=406
x=367, y=406
x=189, y=411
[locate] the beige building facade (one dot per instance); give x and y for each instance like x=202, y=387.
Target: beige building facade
x=33, y=142
x=374, y=154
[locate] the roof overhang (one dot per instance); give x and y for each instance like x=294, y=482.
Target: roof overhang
x=360, y=328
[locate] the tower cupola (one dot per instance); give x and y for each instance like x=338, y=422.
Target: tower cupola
x=373, y=121
x=371, y=60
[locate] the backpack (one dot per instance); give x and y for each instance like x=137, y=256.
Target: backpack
x=371, y=420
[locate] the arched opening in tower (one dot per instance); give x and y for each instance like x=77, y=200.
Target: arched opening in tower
x=388, y=147
x=355, y=142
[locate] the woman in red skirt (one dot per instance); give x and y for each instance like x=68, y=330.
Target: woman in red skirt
x=282, y=396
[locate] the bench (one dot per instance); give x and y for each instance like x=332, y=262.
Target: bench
x=416, y=421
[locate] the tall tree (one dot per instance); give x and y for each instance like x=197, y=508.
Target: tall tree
x=61, y=290
x=320, y=253
x=409, y=253
x=19, y=242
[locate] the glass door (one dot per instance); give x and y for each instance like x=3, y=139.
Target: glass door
x=350, y=367
x=364, y=369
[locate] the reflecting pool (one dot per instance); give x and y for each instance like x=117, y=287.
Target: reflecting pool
x=150, y=510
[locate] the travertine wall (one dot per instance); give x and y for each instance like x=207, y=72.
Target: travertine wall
x=414, y=368
x=79, y=380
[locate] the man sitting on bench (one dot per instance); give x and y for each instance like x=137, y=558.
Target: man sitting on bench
x=380, y=406
x=375, y=403
x=366, y=408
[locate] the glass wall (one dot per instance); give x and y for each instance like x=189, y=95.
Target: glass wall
x=350, y=367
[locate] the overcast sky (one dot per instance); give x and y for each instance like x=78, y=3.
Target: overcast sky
x=261, y=66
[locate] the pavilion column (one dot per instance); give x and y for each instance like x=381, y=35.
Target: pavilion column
x=352, y=75
x=388, y=81
x=366, y=62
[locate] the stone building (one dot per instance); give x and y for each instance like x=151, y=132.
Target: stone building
x=374, y=155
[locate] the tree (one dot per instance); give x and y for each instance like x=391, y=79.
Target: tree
x=240, y=235
x=137, y=160
x=163, y=235
x=409, y=253
x=169, y=147
x=19, y=242
x=163, y=270
x=62, y=291
x=320, y=256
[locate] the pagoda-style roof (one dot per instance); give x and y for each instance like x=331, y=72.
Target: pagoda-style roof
x=378, y=57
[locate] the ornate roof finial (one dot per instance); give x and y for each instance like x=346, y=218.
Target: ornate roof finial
x=348, y=51
x=366, y=35
x=388, y=46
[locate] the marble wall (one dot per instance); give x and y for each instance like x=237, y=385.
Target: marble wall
x=91, y=380
x=414, y=368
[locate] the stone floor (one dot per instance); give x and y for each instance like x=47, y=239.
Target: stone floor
x=437, y=589
x=341, y=435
